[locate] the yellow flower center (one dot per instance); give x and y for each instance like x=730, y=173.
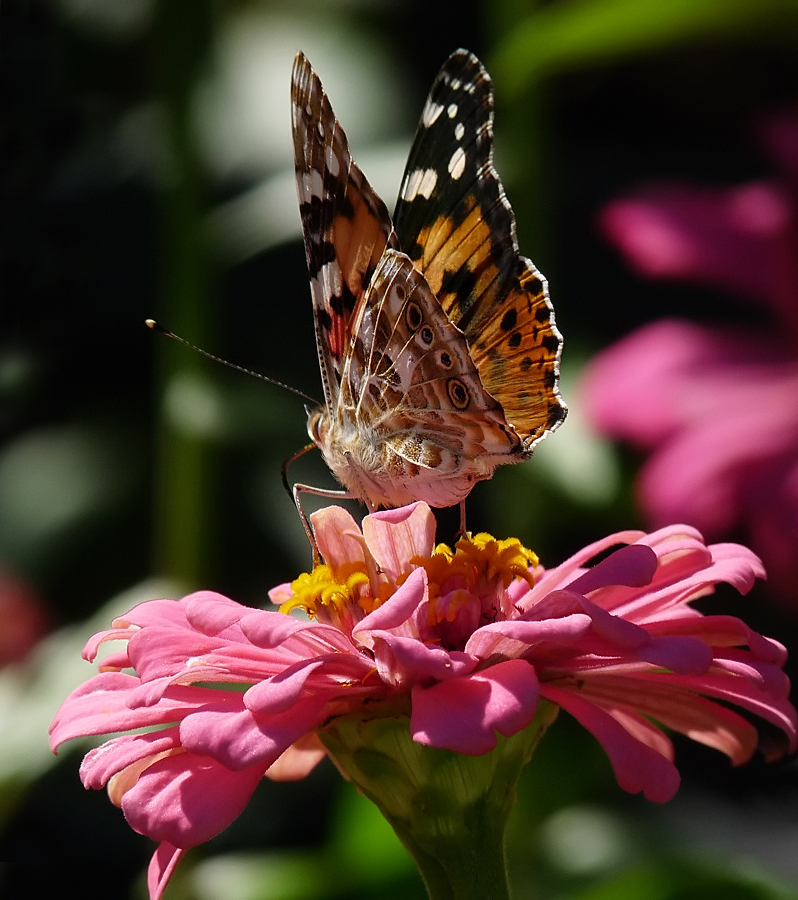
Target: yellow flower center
x=334, y=591
x=477, y=565
x=479, y=560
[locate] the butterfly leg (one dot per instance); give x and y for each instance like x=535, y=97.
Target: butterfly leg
x=318, y=492
x=462, y=532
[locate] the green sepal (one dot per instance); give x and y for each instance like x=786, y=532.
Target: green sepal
x=449, y=810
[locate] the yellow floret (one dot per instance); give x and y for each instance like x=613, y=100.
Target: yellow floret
x=336, y=591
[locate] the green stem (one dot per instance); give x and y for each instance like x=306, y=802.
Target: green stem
x=466, y=864
x=449, y=810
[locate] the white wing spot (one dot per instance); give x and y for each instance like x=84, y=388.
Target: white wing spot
x=328, y=280
x=457, y=163
x=430, y=114
x=332, y=162
x=451, y=110
x=419, y=181
x=313, y=184
x=456, y=83
x=459, y=131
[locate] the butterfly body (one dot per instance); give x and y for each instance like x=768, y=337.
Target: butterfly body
x=437, y=344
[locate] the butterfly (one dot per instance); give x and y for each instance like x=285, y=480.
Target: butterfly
x=437, y=344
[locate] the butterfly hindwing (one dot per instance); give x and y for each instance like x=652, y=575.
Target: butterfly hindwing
x=346, y=226
x=410, y=370
x=455, y=222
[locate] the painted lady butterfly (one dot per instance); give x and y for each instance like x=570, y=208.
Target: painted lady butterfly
x=437, y=343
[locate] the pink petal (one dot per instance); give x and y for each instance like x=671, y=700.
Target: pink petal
x=462, y=714
x=397, y=536
x=637, y=766
x=722, y=631
x=282, y=691
x=100, y=705
x=714, y=726
x=95, y=641
x=668, y=701
x=102, y=763
x=776, y=710
x=166, y=613
x=697, y=475
x=163, y=652
x=548, y=580
x=268, y=629
x=214, y=615
x=682, y=371
x=395, y=611
x=642, y=730
x=633, y=566
x=337, y=535
x=515, y=638
x=115, y=662
x=281, y=594
x=767, y=677
x=686, y=655
x=402, y=660
x=680, y=579
x=242, y=739
x=604, y=626
x=162, y=865
x=186, y=799
x=298, y=760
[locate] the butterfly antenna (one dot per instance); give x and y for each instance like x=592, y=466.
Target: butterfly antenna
x=156, y=326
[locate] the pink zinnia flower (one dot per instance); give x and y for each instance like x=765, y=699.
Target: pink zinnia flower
x=716, y=407
x=465, y=642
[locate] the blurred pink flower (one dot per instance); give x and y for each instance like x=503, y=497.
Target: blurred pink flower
x=718, y=409
x=467, y=640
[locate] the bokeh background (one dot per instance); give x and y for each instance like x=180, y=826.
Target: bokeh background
x=146, y=172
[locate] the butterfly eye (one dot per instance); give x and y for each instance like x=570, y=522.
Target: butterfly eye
x=458, y=393
x=445, y=360
x=426, y=335
x=413, y=316
x=314, y=426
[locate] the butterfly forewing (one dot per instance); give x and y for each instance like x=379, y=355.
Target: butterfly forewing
x=346, y=226
x=454, y=220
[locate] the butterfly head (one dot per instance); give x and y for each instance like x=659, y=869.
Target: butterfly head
x=318, y=424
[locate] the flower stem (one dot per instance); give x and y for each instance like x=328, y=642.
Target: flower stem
x=467, y=864
x=449, y=810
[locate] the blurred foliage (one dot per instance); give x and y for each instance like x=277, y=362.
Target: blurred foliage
x=147, y=172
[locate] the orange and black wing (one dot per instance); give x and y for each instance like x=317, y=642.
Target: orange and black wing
x=346, y=226
x=455, y=222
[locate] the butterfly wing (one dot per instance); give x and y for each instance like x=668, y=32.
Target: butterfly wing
x=346, y=226
x=409, y=364
x=454, y=221
x=410, y=388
